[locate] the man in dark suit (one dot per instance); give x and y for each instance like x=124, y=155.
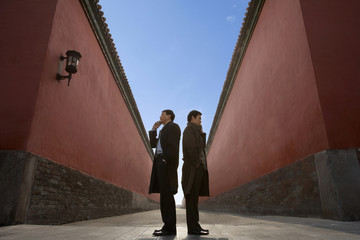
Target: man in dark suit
x=164, y=178
x=195, y=177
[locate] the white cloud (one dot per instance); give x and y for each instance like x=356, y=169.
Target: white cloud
x=230, y=19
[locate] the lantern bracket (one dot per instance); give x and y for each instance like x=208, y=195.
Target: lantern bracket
x=72, y=61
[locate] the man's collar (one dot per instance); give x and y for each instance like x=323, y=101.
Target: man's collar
x=194, y=125
x=167, y=123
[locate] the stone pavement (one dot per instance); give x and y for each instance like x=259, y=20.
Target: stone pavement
x=222, y=226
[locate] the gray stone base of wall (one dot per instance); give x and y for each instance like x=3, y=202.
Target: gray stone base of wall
x=35, y=190
x=326, y=184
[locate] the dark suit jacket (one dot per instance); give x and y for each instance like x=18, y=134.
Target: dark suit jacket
x=169, y=138
x=193, y=143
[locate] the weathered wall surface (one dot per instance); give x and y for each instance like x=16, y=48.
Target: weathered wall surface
x=291, y=190
x=273, y=116
x=86, y=127
x=333, y=37
x=39, y=191
x=23, y=52
x=294, y=96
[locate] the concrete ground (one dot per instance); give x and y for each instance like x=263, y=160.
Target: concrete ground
x=222, y=226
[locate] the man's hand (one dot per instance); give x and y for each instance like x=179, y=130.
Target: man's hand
x=156, y=125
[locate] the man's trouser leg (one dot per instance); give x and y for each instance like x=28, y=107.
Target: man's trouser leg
x=192, y=201
x=167, y=201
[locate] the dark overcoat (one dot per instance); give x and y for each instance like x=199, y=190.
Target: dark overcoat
x=169, y=139
x=193, y=142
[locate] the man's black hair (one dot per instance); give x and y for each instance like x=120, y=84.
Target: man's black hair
x=193, y=113
x=169, y=112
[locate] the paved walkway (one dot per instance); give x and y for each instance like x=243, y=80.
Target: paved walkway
x=222, y=227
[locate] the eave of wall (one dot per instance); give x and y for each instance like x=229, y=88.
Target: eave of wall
x=250, y=20
x=101, y=31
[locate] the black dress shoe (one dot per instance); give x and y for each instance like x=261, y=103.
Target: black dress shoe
x=201, y=232
x=163, y=233
x=205, y=230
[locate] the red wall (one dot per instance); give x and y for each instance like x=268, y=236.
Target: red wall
x=273, y=116
x=86, y=126
x=333, y=32
x=25, y=28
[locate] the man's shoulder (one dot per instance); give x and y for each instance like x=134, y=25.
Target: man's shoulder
x=172, y=125
x=189, y=129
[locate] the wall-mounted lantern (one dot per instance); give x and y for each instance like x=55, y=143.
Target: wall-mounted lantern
x=72, y=62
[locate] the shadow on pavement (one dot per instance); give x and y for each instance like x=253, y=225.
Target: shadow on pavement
x=351, y=227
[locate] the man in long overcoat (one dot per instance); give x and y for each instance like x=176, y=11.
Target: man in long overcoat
x=164, y=179
x=195, y=177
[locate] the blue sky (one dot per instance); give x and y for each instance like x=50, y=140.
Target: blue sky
x=175, y=54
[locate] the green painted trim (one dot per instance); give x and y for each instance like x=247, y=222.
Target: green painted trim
x=107, y=46
x=246, y=32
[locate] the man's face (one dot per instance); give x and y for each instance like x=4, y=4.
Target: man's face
x=196, y=120
x=164, y=118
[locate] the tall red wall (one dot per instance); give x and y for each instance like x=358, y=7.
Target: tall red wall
x=333, y=34
x=86, y=126
x=295, y=93
x=25, y=28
